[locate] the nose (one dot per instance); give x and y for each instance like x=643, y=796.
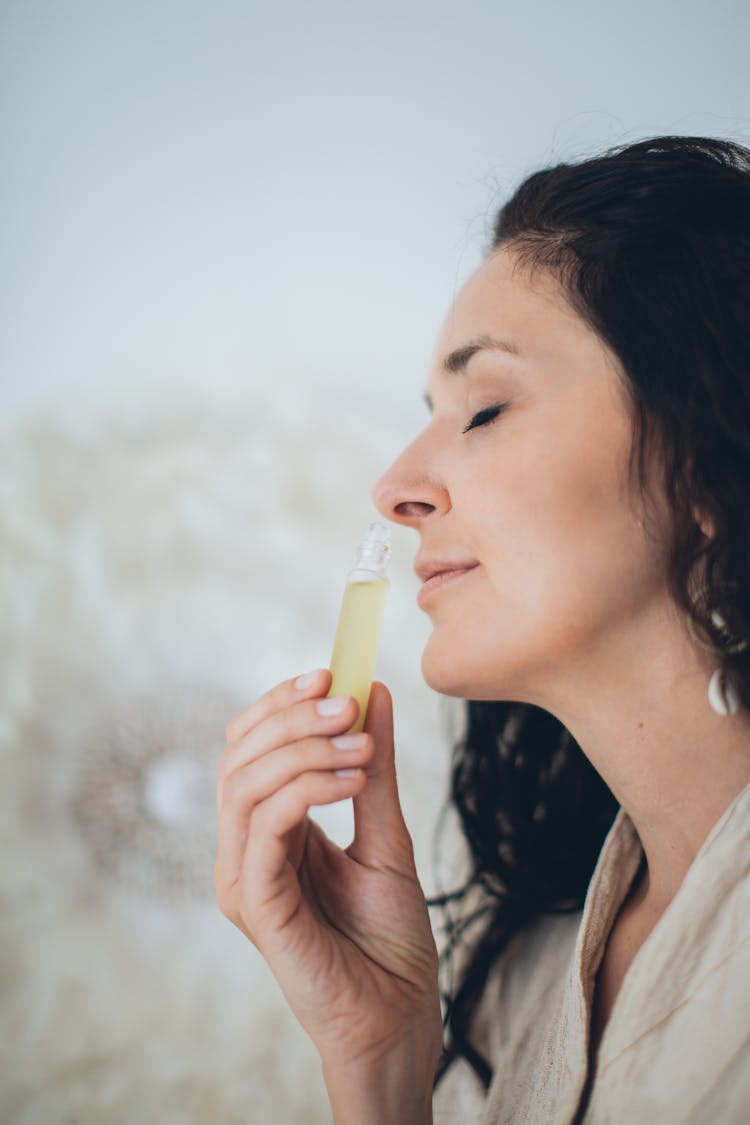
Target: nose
x=408, y=493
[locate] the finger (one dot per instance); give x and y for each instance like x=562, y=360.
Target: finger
x=381, y=837
x=265, y=870
x=249, y=787
x=254, y=781
x=306, y=686
x=292, y=724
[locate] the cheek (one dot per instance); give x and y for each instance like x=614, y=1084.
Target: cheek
x=563, y=501
x=560, y=542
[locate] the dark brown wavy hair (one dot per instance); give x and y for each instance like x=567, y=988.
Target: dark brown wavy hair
x=651, y=245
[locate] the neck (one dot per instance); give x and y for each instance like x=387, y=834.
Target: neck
x=673, y=764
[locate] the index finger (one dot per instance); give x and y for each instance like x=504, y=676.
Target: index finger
x=307, y=686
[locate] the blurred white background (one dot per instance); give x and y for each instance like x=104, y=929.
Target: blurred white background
x=228, y=235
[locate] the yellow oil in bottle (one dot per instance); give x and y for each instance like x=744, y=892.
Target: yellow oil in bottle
x=356, y=644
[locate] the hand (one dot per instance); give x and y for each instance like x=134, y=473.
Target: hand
x=345, y=932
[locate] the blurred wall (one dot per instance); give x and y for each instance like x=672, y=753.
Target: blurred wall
x=220, y=193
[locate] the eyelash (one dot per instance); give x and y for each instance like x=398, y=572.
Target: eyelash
x=484, y=417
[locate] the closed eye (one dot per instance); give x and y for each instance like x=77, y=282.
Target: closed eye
x=484, y=417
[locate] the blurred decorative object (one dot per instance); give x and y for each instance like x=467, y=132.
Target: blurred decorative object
x=151, y=568
x=144, y=791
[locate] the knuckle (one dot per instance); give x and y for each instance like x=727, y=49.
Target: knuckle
x=290, y=725
x=302, y=755
x=235, y=728
x=261, y=822
x=312, y=787
x=230, y=760
x=235, y=788
x=281, y=806
x=293, y=723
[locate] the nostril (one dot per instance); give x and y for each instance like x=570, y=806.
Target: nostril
x=413, y=509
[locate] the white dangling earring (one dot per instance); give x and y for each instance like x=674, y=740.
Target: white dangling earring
x=722, y=691
x=722, y=694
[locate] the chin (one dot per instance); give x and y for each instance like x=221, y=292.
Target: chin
x=447, y=673
x=448, y=678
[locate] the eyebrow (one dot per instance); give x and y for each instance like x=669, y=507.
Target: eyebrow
x=456, y=361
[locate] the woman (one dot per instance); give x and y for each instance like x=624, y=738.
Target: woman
x=580, y=496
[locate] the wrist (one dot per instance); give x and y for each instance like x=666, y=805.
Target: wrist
x=396, y=1088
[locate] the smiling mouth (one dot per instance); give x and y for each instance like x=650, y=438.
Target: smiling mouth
x=442, y=579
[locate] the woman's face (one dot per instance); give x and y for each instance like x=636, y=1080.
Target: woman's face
x=530, y=503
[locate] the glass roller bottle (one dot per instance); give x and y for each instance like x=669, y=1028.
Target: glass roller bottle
x=358, y=631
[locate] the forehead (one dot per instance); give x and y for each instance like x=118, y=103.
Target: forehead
x=503, y=301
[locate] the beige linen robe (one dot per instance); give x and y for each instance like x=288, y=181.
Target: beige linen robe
x=676, y=1048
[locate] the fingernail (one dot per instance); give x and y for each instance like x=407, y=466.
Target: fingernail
x=332, y=706
x=348, y=741
x=346, y=773
x=307, y=679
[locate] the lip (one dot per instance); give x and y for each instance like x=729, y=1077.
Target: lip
x=438, y=573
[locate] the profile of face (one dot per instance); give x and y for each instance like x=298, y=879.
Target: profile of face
x=519, y=490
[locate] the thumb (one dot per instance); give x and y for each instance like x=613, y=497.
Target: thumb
x=381, y=838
